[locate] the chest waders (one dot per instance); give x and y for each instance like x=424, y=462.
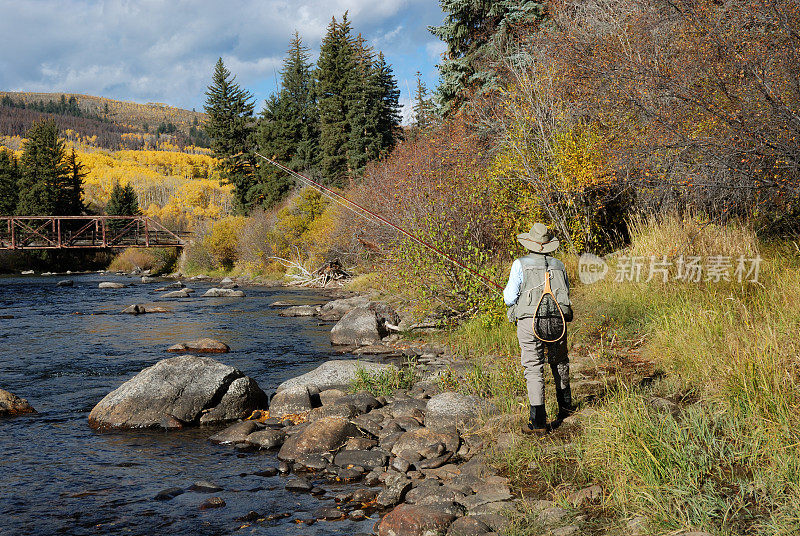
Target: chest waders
x=548, y=319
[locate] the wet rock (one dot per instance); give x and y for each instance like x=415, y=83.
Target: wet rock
x=139, y=309
x=345, y=411
x=290, y=401
x=310, y=462
x=266, y=439
x=183, y=293
x=298, y=484
x=409, y=520
x=223, y=293
x=213, y=502
x=359, y=326
x=284, y=468
x=66, y=283
x=589, y=494
x=268, y=472
x=347, y=474
x=11, y=404
x=204, y=486
x=204, y=345
x=249, y=517
x=300, y=310
x=364, y=495
x=468, y=526
x=280, y=303
x=333, y=374
x=190, y=388
x=450, y=409
x=174, y=284
x=428, y=443
x=396, y=487
x=358, y=515
x=328, y=513
x=110, y=284
x=369, y=459
x=324, y=435
x=148, y=279
x=170, y=423
x=168, y=494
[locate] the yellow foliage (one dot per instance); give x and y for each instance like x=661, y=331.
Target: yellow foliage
x=223, y=240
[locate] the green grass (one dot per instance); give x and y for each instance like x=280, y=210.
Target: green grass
x=386, y=381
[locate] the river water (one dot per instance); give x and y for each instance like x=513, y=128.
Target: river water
x=66, y=348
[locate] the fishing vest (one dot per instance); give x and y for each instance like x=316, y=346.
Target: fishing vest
x=533, y=269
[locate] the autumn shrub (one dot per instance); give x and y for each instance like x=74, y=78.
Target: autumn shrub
x=297, y=234
x=157, y=260
x=222, y=240
x=254, y=247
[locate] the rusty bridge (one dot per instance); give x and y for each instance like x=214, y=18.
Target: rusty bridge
x=78, y=232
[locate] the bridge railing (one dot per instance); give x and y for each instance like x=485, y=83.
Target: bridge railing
x=77, y=232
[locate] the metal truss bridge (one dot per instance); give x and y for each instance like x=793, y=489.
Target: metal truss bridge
x=80, y=232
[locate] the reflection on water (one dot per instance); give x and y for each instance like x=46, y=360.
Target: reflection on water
x=66, y=348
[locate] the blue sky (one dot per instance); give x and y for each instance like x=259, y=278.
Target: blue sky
x=164, y=51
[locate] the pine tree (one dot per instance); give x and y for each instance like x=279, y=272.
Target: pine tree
x=44, y=170
x=9, y=175
x=289, y=125
x=70, y=201
x=472, y=30
x=363, y=101
x=121, y=202
x=389, y=119
x=230, y=126
x=334, y=74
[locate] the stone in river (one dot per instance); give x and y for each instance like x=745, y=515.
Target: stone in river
x=168, y=494
x=11, y=404
x=299, y=310
x=299, y=484
x=290, y=402
x=213, y=502
x=324, y=435
x=235, y=433
x=66, y=283
x=204, y=345
x=183, y=293
x=204, y=486
x=268, y=472
x=193, y=389
x=369, y=459
x=139, y=309
x=266, y=439
x=110, y=284
x=359, y=326
x=223, y=293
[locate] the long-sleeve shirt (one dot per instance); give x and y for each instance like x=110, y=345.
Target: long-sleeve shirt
x=511, y=292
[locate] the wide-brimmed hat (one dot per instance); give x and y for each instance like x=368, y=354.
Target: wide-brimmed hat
x=538, y=239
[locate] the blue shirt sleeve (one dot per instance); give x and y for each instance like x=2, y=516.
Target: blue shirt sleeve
x=511, y=292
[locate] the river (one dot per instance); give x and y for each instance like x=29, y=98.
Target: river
x=66, y=347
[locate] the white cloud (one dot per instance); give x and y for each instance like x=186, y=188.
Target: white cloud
x=435, y=49
x=164, y=50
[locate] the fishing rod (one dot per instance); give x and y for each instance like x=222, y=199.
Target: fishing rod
x=375, y=217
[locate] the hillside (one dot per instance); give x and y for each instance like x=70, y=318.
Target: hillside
x=107, y=119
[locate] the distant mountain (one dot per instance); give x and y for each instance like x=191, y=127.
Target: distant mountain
x=116, y=124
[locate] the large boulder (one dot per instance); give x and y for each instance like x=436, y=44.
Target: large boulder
x=11, y=404
x=324, y=435
x=300, y=310
x=182, y=293
x=110, y=284
x=139, y=309
x=189, y=388
x=411, y=520
x=204, y=345
x=223, y=293
x=333, y=374
x=359, y=326
x=450, y=409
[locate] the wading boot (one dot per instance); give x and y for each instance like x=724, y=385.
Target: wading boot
x=537, y=422
x=565, y=407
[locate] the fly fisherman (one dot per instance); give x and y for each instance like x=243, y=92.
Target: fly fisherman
x=539, y=304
